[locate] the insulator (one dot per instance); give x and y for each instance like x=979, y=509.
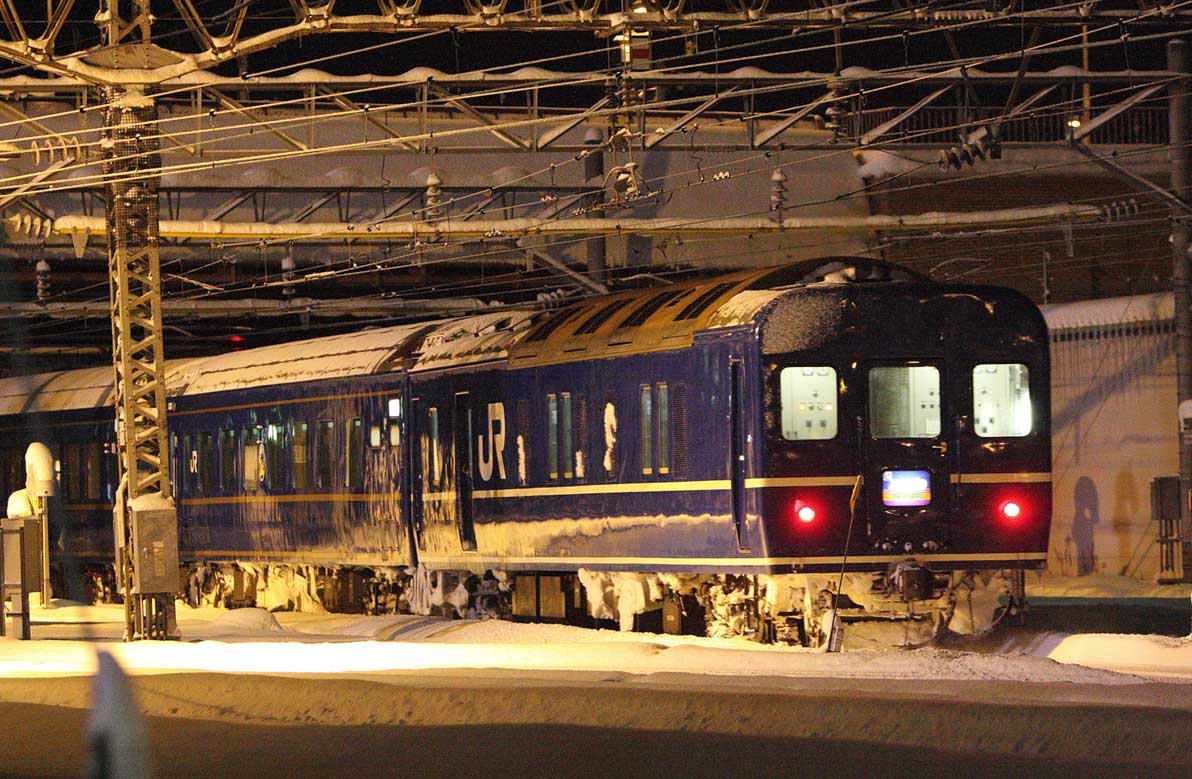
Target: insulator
x=777, y=193
x=434, y=200
x=287, y=272
x=43, y=281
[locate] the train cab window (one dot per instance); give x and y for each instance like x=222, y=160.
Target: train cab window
x=93, y=471
x=647, y=430
x=568, y=446
x=253, y=456
x=1001, y=400
x=394, y=422
x=809, y=402
x=904, y=401
x=375, y=437
x=552, y=435
x=355, y=453
x=664, y=450
x=227, y=460
x=299, y=459
x=206, y=457
x=325, y=454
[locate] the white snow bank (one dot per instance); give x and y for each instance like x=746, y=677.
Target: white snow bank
x=1100, y=586
x=1142, y=655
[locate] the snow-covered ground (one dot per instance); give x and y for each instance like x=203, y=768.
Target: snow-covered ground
x=250, y=693
x=256, y=641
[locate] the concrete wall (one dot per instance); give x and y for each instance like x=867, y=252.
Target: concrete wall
x=1113, y=430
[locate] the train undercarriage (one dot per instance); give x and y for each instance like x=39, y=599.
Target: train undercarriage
x=908, y=604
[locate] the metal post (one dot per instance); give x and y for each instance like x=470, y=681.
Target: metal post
x=1181, y=274
x=145, y=520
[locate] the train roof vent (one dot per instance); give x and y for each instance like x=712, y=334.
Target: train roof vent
x=553, y=323
x=647, y=309
x=600, y=317
x=701, y=303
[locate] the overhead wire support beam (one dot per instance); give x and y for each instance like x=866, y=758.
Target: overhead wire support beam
x=464, y=108
x=662, y=133
x=237, y=107
x=887, y=126
x=348, y=105
x=772, y=132
x=1124, y=173
x=553, y=134
x=1087, y=128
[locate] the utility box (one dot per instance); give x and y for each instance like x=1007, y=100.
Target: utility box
x=155, y=539
x=20, y=545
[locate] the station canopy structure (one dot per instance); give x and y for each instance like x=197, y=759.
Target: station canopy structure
x=327, y=166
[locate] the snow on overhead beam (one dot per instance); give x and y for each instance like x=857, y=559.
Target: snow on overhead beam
x=416, y=77
x=1132, y=309
x=510, y=228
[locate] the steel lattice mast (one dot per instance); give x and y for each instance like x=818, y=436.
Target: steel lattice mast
x=145, y=519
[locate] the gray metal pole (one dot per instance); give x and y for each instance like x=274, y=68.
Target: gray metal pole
x=1178, y=60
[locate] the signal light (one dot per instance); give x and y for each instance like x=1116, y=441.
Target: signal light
x=1011, y=510
x=806, y=514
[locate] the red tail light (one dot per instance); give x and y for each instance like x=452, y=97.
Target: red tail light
x=1010, y=509
x=806, y=514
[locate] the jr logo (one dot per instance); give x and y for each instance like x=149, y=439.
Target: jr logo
x=496, y=443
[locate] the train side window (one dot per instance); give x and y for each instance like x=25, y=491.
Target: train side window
x=568, y=448
x=664, y=452
x=299, y=457
x=355, y=453
x=904, y=401
x=252, y=455
x=375, y=438
x=70, y=472
x=433, y=453
x=809, y=403
x=206, y=455
x=227, y=461
x=647, y=429
x=1001, y=400
x=93, y=471
x=274, y=447
x=325, y=454
x=552, y=435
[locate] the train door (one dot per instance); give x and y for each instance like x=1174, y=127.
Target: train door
x=418, y=466
x=462, y=441
x=737, y=446
x=903, y=451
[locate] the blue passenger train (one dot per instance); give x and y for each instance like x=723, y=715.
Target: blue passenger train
x=736, y=454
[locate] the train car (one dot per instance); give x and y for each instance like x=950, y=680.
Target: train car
x=741, y=454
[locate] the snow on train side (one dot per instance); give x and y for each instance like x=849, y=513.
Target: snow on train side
x=738, y=455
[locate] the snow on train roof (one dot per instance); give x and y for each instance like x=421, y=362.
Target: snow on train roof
x=328, y=357
x=85, y=388
x=1154, y=307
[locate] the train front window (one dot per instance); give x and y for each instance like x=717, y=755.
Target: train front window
x=904, y=401
x=809, y=404
x=1001, y=400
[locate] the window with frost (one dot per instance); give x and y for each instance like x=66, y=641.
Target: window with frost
x=93, y=470
x=325, y=454
x=227, y=460
x=568, y=448
x=299, y=455
x=647, y=448
x=664, y=433
x=206, y=463
x=904, y=401
x=274, y=454
x=355, y=453
x=252, y=454
x=809, y=403
x=1001, y=400
x=432, y=447
x=552, y=435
